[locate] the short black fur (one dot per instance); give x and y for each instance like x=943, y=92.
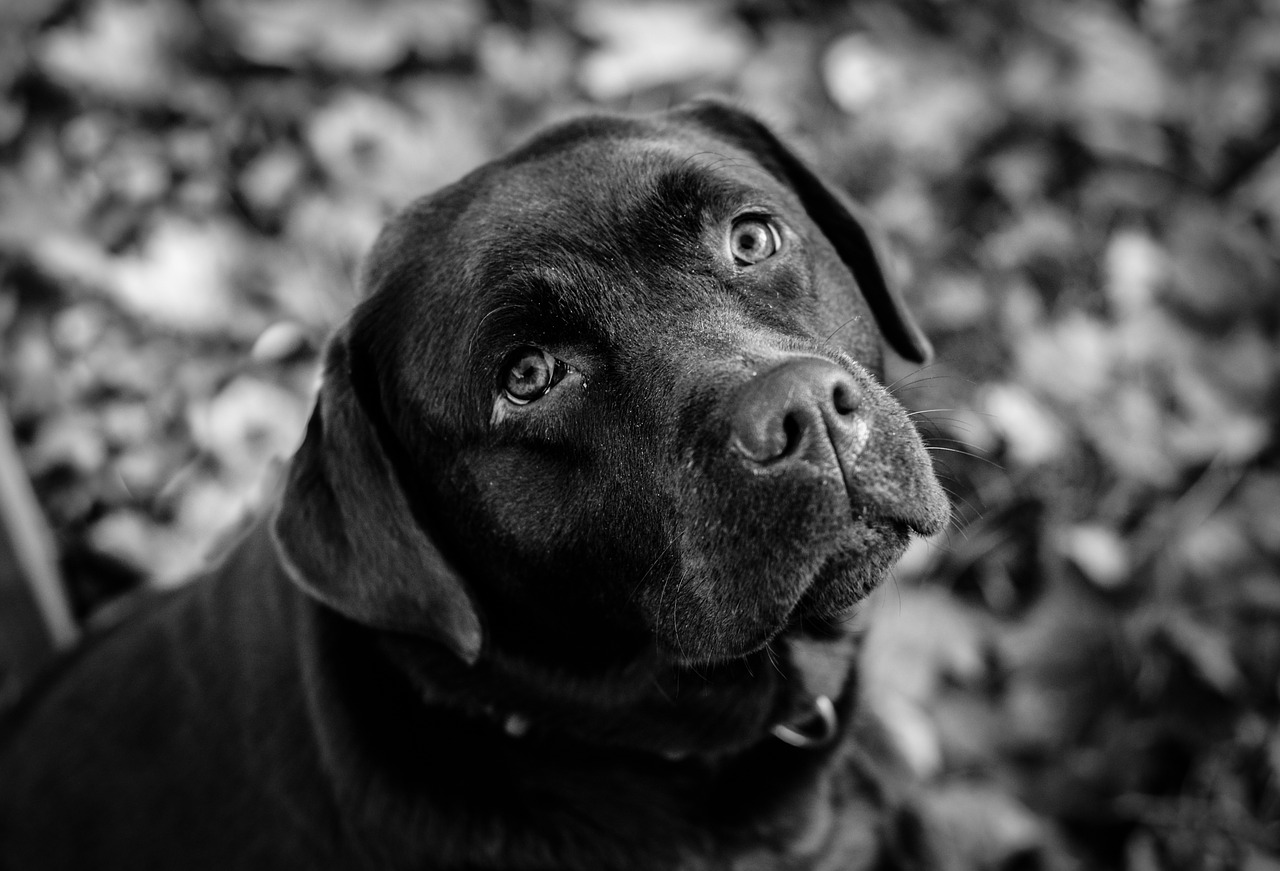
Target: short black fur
x=570, y=633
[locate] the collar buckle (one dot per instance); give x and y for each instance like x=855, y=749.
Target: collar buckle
x=816, y=729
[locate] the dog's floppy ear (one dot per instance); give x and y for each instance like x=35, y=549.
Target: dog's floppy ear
x=832, y=212
x=346, y=531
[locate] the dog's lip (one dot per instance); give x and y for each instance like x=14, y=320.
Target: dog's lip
x=810, y=609
x=808, y=613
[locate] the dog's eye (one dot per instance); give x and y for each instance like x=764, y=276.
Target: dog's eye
x=752, y=239
x=531, y=374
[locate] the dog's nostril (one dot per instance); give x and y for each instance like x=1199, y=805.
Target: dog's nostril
x=844, y=397
x=792, y=432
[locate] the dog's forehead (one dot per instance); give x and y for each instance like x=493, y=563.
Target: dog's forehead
x=568, y=156
x=608, y=168
x=588, y=232
x=601, y=195
x=582, y=183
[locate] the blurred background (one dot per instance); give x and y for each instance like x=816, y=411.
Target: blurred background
x=1082, y=201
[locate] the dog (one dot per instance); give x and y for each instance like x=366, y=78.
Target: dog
x=560, y=575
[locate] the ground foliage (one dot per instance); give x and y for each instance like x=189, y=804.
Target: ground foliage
x=1083, y=201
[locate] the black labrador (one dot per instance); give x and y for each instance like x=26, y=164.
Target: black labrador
x=560, y=575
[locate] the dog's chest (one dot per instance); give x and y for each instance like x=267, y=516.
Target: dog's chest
x=828, y=827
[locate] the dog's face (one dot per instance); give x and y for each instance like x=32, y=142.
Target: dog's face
x=622, y=390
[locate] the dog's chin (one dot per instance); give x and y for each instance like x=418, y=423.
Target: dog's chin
x=821, y=604
x=832, y=602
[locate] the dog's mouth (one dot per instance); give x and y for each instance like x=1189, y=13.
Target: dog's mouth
x=819, y=602
x=832, y=601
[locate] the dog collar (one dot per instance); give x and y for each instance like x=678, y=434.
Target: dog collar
x=816, y=728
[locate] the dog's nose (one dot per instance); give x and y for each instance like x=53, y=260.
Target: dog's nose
x=802, y=409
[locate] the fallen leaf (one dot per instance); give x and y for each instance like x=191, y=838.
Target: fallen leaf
x=280, y=341
x=183, y=277
x=1033, y=434
x=534, y=65
x=398, y=150
x=985, y=825
x=271, y=178
x=1045, y=232
x=1129, y=427
x=1116, y=68
x=1205, y=648
x=248, y=423
x=357, y=37
x=69, y=441
x=129, y=536
x=860, y=72
x=1215, y=548
x=651, y=43
x=1099, y=552
x=1135, y=269
x=122, y=49
x=1223, y=271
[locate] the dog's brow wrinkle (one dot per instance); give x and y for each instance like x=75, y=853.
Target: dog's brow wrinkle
x=726, y=160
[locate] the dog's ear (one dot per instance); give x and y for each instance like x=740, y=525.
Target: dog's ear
x=346, y=531
x=834, y=214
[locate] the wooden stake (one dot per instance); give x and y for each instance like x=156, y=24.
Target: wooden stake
x=35, y=616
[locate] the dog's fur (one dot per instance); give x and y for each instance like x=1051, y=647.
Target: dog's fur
x=475, y=633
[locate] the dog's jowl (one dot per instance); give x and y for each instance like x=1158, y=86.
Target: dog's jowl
x=560, y=576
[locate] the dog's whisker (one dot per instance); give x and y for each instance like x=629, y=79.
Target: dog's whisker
x=963, y=444
x=662, y=691
x=896, y=585
x=851, y=320
x=942, y=449
x=964, y=503
x=943, y=469
x=947, y=546
x=653, y=565
x=900, y=388
x=674, y=619
x=954, y=529
x=662, y=598
x=913, y=374
x=955, y=444
x=931, y=427
x=936, y=421
x=772, y=656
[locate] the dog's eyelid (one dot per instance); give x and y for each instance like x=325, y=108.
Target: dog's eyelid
x=753, y=209
x=762, y=213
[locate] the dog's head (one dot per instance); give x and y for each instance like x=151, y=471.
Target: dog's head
x=616, y=392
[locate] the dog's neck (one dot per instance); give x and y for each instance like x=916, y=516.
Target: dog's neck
x=788, y=692
x=403, y=728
